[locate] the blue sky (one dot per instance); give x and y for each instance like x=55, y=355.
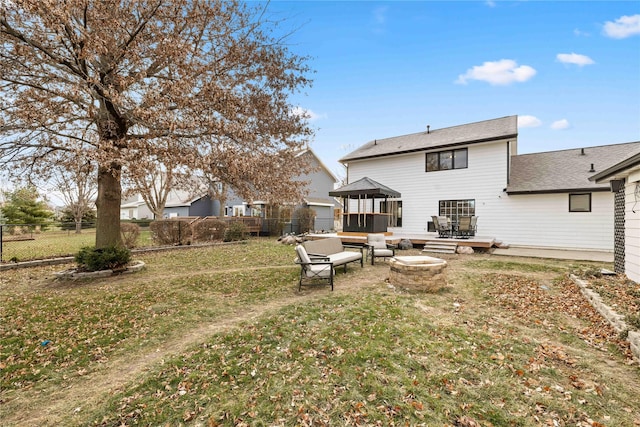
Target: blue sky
x=570, y=70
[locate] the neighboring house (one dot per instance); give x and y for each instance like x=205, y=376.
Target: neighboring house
x=321, y=181
x=135, y=208
x=541, y=200
x=624, y=181
x=191, y=206
x=182, y=203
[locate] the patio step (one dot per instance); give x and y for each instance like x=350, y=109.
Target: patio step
x=440, y=247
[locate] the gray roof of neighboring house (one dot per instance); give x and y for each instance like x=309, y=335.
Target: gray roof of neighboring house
x=364, y=187
x=488, y=130
x=565, y=170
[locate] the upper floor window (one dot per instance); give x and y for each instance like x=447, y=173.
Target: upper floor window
x=447, y=159
x=580, y=202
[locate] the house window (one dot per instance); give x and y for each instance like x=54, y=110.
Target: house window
x=394, y=211
x=447, y=159
x=456, y=208
x=580, y=202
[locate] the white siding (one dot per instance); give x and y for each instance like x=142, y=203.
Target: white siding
x=540, y=220
x=632, y=233
x=483, y=180
x=544, y=220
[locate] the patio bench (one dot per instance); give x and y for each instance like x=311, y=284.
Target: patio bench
x=333, y=249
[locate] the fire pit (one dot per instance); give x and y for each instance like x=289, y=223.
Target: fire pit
x=418, y=273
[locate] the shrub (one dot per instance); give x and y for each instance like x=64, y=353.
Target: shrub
x=305, y=217
x=209, y=229
x=130, y=234
x=171, y=231
x=109, y=258
x=144, y=222
x=235, y=231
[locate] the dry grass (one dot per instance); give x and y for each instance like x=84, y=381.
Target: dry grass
x=220, y=336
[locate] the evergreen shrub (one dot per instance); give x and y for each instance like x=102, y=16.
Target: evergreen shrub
x=98, y=259
x=236, y=231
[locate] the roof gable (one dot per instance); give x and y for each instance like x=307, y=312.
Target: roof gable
x=488, y=130
x=565, y=170
x=320, y=163
x=619, y=170
x=364, y=187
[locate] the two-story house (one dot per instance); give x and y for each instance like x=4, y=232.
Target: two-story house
x=541, y=200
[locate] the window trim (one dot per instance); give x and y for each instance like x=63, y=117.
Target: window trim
x=455, y=208
x=579, y=194
x=453, y=159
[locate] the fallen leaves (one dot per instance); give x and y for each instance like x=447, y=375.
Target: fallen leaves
x=531, y=301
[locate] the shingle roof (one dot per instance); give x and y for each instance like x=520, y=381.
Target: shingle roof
x=488, y=130
x=565, y=170
x=631, y=162
x=364, y=186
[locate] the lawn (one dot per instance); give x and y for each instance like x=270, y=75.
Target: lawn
x=55, y=243
x=221, y=336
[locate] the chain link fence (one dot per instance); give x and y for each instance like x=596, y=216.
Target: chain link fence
x=27, y=242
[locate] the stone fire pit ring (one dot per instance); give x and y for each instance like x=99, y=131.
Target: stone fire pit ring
x=418, y=273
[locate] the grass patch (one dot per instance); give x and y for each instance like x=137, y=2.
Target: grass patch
x=372, y=360
x=64, y=329
x=221, y=336
x=523, y=267
x=57, y=243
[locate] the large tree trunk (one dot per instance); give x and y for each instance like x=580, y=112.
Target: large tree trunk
x=108, y=206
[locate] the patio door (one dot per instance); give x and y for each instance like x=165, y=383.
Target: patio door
x=457, y=208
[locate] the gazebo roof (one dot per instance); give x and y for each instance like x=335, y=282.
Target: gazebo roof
x=364, y=187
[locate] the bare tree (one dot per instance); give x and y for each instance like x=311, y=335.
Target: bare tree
x=191, y=82
x=155, y=181
x=74, y=180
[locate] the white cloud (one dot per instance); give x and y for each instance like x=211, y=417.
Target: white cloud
x=581, y=33
x=308, y=114
x=380, y=14
x=490, y=3
x=528, y=122
x=560, y=124
x=503, y=72
x=623, y=27
x=574, y=58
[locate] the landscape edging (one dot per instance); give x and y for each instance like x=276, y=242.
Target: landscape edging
x=70, y=259
x=615, y=320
